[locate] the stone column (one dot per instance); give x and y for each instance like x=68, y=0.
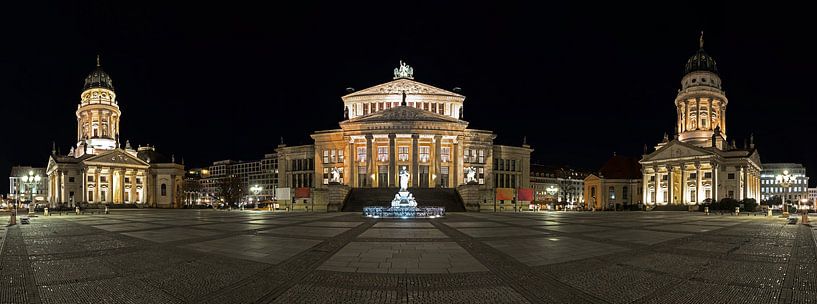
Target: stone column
x=369, y=160
x=683, y=188
x=415, y=167
x=686, y=115
x=645, y=191
x=745, y=173
x=698, y=116
x=394, y=172
x=714, y=182
x=438, y=141
x=61, y=187
x=455, y=163
x=658, y=192
x=698, y=185
x=670, y=186
x=351, y=158
x=723, y=120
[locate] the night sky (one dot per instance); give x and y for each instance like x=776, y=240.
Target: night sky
x=207, y=83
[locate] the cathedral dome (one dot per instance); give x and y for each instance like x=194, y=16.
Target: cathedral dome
x=701, y=61
x=98, y=79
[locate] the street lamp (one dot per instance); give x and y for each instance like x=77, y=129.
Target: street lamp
x=31, y=180
x=804, y=207
x=256, y=190
x=785, y=181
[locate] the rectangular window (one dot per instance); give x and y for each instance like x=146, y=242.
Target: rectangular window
x=445, y=154
x=425, y=153
x=708, y=175
x=481, y=159
x=90, y=178
x=70, y=179
x=102, y=196
x=365, y=109
x=361, y=154
x=513, y=165
x=402, y=153
x=127, y=180
x=333, y=157
x=693, y=175
x=496, y=163
x=731, y=176
x=624, y=193
x=325, y=156
x=481, y=175
x=383, y=153
x=90, y=195
x=731, y=194
x=103, y=179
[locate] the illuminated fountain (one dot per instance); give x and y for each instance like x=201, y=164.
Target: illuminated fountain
x=404, y=205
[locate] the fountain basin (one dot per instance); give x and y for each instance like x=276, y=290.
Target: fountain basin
x=403, y=212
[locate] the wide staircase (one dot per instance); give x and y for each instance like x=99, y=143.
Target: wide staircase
x=440, y=197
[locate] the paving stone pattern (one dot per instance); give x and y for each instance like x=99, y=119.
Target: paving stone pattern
x=209, y=256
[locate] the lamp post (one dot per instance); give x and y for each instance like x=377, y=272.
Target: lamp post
x=785, y=182
x=256, y=190
x=31, y=180
x=804, y=207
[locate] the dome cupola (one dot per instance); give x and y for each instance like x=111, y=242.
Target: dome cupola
x=98, y=78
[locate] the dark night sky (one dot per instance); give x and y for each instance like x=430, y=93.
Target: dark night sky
x=581, y=81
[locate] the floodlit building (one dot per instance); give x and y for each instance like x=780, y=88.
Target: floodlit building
x=99, y=170
x=27, y=191
x=403, y=124
x=557, y=185
x=771, y=180
x=699, y=163
x=262, y=173
x=617, y=185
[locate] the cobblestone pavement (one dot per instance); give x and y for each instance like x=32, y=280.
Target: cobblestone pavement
x=209, y=256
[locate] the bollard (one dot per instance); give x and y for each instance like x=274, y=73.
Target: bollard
x=706, y=210
x=106, y=209
x=45, y=211
x=77, y=210
x=769, y=213
x=737, y=210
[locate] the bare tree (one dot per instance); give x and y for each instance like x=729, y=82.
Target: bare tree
x=192, y=189
x=231, y=189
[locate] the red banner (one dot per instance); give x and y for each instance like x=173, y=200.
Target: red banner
x=524, y=194
x=504, y=194
x=302, y=192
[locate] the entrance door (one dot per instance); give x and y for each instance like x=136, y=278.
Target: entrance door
x=423, y=176
x=383, y=176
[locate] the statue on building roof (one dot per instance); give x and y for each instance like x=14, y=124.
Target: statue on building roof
x=403, y=71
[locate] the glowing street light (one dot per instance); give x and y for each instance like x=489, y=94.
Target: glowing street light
x=256, y=190
x=785, y=182
x=804, y=207
x=31, y=180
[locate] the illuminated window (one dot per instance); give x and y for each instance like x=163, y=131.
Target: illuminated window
x=481, y=158
x=445, y=154
x=340, y=156
x=612, y=191
x=403, y=153
x=383, y=154
x=361, y=154
x=425, y=152
x=325, y=156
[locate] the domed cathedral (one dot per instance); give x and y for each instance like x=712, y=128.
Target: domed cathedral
x=698, y=165
x=98, y=170
x=397, y=125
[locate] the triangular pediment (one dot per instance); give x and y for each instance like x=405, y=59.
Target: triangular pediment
x=399, y=86
x=675, y=150
x=116, y=157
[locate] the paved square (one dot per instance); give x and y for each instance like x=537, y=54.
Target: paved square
x=550, y=250
x=210, y=256
x=403, y=257
x=400, y=233
x=171, y=234
x=264, y=249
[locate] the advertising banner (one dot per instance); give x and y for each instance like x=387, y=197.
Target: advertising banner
x=302, y=192
x=282, y=193
x=524, y=194
x=504, y=194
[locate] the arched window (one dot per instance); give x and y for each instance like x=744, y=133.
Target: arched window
x=612, y=192
x=164, y=190
x=593, y=192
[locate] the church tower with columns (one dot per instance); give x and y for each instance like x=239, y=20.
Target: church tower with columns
x=97, y=115
x=701, y=102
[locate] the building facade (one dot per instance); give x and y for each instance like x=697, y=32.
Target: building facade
x=699, y=164
x=98, y=169
x=262, y=173
x=812, y=196
x=560, y=185
x=616, y=186
x=771, y=179
x=406, y=124
x=27, y=192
